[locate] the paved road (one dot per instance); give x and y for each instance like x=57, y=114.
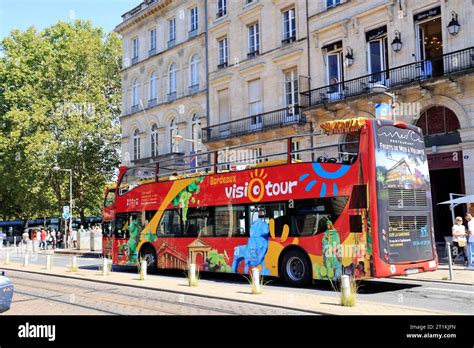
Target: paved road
x=406, y=292
x=49, y=295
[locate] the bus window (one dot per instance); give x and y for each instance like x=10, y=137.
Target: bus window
x=170, y=224
x=230, y=221
x=199, y=222
x=109, y=199
x=122, y=224
x=310, y=216
x=275, y=211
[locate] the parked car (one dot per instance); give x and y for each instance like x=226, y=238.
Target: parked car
x=6, y=293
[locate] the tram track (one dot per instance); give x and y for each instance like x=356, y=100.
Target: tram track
x=130, y=299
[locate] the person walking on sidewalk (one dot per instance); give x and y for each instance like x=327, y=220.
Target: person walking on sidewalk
x=459, y=239
x=470, y=239
x=74, y=238
x=43, y=239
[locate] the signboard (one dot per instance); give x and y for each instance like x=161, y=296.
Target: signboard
x=66, y=209
x=66, y=215
x=375, y=33
x=427, y=14
x=403, y=195
x=383, y=111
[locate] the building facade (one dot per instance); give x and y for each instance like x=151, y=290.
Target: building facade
x=277, y=68
x=163, y=81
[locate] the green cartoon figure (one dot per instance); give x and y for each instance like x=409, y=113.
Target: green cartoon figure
x=132, y=243
x=331, y=253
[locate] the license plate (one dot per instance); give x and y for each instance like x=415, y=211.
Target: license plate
x=412, y=271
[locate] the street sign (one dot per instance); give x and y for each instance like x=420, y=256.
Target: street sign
x=66, y=215
x=66, y=209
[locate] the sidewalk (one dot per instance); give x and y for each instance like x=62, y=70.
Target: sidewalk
x=82, y=253
x=461, y=275
x=281, y=297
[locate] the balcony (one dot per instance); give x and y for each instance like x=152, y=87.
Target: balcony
x=152, y=52
x=253, y=53
x=152, y=102
x=134, y=60
x=222, y=65
x=193, y=89
x=134, y=108
x=171, y=43
x=288, y=40
x=445, y=65
x=256, y=123
x=171, y=96
x=193, y=33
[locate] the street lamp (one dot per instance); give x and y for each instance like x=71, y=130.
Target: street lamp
x=181, y=138
x=57, y=169
x=397, y=42
x=454, y=26
x=382, y=89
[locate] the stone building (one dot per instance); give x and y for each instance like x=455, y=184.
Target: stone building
x=163, y=79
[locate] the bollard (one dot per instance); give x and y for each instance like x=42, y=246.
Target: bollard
x=25, y=260
x=345, y=286
x=143, y=266
x=74, y=263
x=450, y=261
x=48, y=261
x=192, y=274
x=104, y=267
x=256, y=281
x=7, y=257
x=14, y=241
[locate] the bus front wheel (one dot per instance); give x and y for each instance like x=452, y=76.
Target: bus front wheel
x=149, y=254
x=295, y=268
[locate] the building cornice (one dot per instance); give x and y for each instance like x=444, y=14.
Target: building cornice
x=141, y=15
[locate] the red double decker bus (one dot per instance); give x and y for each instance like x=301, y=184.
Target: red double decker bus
x=108, y=219
x=358, y=203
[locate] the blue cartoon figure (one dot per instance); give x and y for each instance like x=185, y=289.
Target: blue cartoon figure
x=254, y=252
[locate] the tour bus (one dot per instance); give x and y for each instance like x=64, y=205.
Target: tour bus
x=356, y=202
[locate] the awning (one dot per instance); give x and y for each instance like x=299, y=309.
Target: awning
x=460, y=200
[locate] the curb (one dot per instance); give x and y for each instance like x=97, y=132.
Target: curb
x=431, y=281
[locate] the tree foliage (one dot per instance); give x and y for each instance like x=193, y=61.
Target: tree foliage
x=59, y=106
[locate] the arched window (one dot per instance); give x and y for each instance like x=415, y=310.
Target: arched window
x=136, y=144
x=438, y=120
x=172, y=78
x=194, y=71
x=196, y=132
x=153, y=82
x=154, y=140
x=173, y=132
x=135, y=93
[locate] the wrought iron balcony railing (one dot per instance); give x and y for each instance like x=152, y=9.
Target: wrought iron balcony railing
x=394, y=77
x=255, y=123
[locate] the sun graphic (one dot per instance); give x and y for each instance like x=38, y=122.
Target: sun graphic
x=324, y=174
x=256, y=187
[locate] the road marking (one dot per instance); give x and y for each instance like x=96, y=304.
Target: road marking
x=451, y=290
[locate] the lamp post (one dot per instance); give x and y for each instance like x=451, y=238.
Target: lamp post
x=57, y=169
x=196, y=142
x=382, y=89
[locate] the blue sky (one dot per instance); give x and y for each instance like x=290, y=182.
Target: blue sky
x=22, y=14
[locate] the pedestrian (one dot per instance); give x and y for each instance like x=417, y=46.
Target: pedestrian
x=459, y=239
x=43, y=239
x=470, y=239
x=25, y=237
x=53, y=238
x=59, y=239
x=74, y=238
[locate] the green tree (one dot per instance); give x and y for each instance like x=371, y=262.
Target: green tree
x=59, y=105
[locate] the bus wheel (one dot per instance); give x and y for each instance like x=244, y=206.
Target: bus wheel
x=149, y=254
x=295, y=268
